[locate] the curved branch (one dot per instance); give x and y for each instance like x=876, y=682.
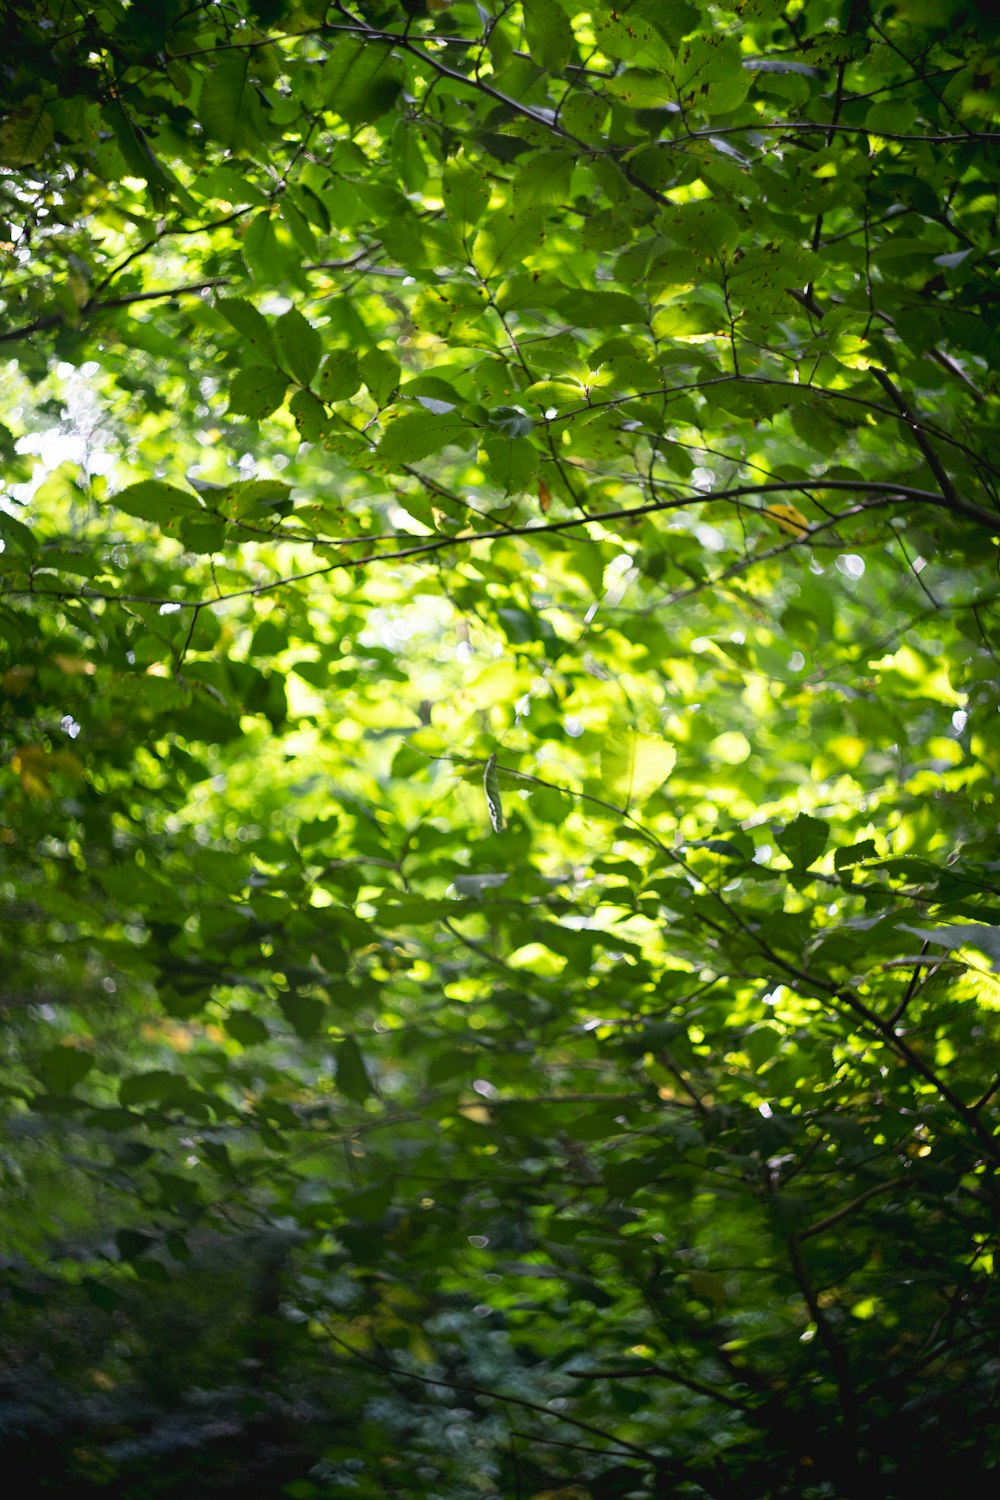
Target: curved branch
x=94, y=308
x=889, y=492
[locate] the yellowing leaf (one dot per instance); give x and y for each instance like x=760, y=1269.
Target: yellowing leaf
x=16, y=679
x=35, y=765
x=477, y=1113
x=571, y=1492
x=788, y=518
x=708, y=1285
x=73, y=666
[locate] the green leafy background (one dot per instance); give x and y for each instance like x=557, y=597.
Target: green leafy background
x=498, y=650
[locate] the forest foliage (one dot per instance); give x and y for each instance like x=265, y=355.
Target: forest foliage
x=500, y=738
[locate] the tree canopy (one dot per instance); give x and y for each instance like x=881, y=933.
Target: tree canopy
x=498, y=839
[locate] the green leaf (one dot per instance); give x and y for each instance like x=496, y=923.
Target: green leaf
x=101, y=1295
x=586, y=309
x=299, y=345
x=271, y=254
x=248, y=497
x=700, y=227
x=465, y=194
x=340, y=377
x=151, y=1270
x=158, y=1086
x=510, y=463
x=844, y=858
x=132, y=1243
x=559, y=394
x=360, y=83
x=310, y=416
x=249, y=323
x=891, y=118
x=764, y=277
x=229, y=105
x=803, y=840
x=434, y=387
x=139, y=158
x=202, y=534
x=416, y=435
x=584, y=116
x=352, y=1075
x=510, y=235
x=491, y=785
x=299, y=228
x=257, y=391
x=633, y=766
x=544, y=182
x=511, y=421
x=633, y=40
x=380, y=373
x=14, y=533
x=247, y=1029
x=709, y=77
x=979, y=935
x=640, y=89
x=62, y=1068
x=153, y=500
x=27, y=133
x=303, y=1013
x=548, y=34
x=675, y=18
x=760, y=10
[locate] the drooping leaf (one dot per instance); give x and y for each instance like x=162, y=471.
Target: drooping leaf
x=303, y=1012
x=270, y=252
x=359, y=82
x=299, y=346
x=380, y=373
x=491, y=785
x=352, y=1075
x=229, y=105
x=17, y=536
x=548, y=33
x=139, y=157
x=466, y=195
x=982, y=936
x=250, y=324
